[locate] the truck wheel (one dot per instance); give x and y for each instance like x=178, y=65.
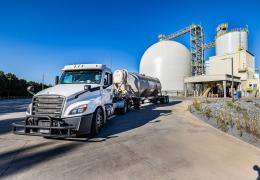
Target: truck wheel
x=125, y=108
x=154, y=101
x=163, y=100
x=97, y=120
x=137, y=104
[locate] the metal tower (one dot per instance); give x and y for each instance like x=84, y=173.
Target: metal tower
x=196, y=46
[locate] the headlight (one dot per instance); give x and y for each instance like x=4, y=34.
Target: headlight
x=79, y=110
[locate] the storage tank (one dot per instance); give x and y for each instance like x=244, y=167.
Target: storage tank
x=137, y=85
x=169, y=61
x=231, y=42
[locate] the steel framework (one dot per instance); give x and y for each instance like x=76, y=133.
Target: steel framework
x=196, y=46
x=209, y=45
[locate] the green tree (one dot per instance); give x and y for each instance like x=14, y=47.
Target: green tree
x=12, y=81
x=12, y=86
x=3, y=83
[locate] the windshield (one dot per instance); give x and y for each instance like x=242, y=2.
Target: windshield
x=81, y=77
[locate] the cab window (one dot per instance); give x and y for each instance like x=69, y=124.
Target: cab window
x=108, y=79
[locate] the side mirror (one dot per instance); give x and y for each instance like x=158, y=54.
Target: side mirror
x=87, y=87
x=105, y=82
x=30, y=89
x=57, y=79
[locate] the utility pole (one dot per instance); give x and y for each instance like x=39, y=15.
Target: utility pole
x=232, y=83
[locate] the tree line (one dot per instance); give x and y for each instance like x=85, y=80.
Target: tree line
x=11, y=86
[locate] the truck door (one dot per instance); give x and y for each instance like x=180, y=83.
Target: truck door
x=107, y=88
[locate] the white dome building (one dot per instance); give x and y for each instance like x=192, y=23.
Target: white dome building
x=169, y=61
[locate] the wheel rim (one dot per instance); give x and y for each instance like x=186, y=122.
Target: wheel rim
x=99, y=119
x=125, y=108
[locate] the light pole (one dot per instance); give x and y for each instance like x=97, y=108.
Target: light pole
x=232, y=82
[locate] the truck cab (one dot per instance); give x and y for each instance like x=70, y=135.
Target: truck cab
x=78, y=104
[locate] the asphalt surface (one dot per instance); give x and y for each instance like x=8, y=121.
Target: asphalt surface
x=156, y=142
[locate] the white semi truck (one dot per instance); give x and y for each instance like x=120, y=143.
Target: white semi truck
x=82, y=100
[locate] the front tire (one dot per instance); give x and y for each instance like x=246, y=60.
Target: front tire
x=97, y=121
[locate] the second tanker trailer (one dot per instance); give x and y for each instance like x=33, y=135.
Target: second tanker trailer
x=135, y=88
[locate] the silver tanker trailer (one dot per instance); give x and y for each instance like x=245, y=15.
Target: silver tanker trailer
x=135, y=88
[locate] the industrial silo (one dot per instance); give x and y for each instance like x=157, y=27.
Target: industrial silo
x=169, y=61
x=231, y=41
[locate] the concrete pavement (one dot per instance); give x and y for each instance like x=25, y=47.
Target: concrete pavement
x=157, y=142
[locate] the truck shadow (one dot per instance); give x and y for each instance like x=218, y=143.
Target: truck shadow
x=5, y=125
x=15, y=161
x=13, y=106
x=121, y=123
x=18, y=160
x=135, y=119
x=132, y=120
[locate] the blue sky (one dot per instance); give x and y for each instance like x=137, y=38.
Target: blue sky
x=40, y=37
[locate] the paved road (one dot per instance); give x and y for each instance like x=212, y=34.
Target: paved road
x=157, y=142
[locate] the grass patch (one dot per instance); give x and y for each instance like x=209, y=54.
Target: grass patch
x=207, y=101
x=196, y=104
x=254, y=127
x=229, y=104
x=207, y=112
x=189, y=108
x=221, y=122
x=235, y=117
x=234, y=106
x=229, y=120
x=246, y=120
x=249, y=100
x=239, y=127
x=257, y=105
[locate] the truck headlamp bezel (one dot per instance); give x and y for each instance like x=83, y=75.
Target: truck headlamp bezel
x=79, y=110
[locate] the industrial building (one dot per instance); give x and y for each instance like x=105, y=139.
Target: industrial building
x=186, y=71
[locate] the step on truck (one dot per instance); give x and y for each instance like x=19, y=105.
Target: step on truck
x=82, y=100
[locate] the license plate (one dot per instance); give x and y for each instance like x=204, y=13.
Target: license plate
x=45, y=131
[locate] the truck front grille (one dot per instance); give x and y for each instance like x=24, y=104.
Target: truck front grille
x=50, y=105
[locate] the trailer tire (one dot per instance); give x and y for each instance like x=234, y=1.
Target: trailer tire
x=136, y=104
x=97, y=120
x=162, y=100
x=154, y=101
x=124, y=109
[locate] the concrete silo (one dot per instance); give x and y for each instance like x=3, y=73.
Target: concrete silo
x=231, y=42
